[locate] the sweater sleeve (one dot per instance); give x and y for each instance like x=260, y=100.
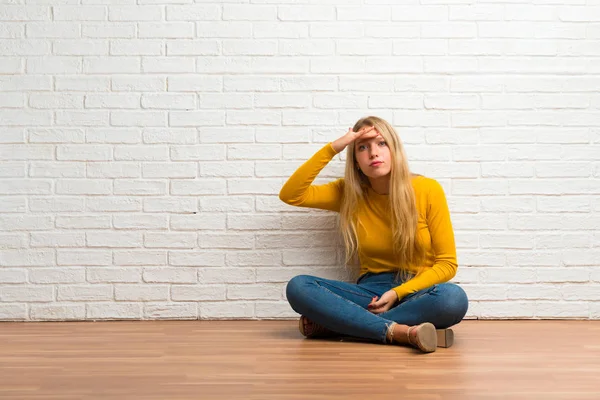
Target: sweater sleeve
x=442, y=242
x=299, y=191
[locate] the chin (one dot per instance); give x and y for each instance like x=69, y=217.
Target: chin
x=378, y=175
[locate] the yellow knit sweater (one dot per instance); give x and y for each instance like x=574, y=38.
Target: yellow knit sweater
x=374, y=234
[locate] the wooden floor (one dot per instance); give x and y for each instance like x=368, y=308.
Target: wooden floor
x=269, y=360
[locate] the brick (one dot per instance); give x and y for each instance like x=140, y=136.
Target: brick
x=57, y=239
x=57, y=312
x=226, y=241
x=82, y=118
x=135, y=13
x=139, y=83
x=52, y=275
x=197, y=292
x=83, y=222
x=113, y=239
x=226, y=310
x=29, y=293
x=66, y=135
x=168, y=30
x=24, y=13
x=171, y=311
x=13, y=204
x=223, y=29
x=88, y=186
x=133, y=221
x=84, y=152
x=194, y=12
x=13, y=312
x=196, y=118
x=279, y=29
x=108, y=311
x=140, y=187
x=197, y=187
x=196, y=258
x=13, y=275
x=193, y=83
x=562, y=310
x=56, y=204
x=113, y=204
x=230, y=169
x=218, y=135
x=228, y=203
x=253, y=222
x=226, y=275
x=170, y=240
x=263, y=291
x=114, y=275
x=171, y=205
x=170, y=135
x=26, y=223
x=118, y=101
x=108, y=30
x=169, y=170
x=113, y=170
x=130, y=47
x=170, y=275
x=141, y=152
x=318, y=257
x=22, y=47
x=253, y=186
x=139, y=257
x=294, y=240
x=84, y=257
x=82, y=83
x=145, y=292
x=164, y=65
x=281, y=309
x=193, y=222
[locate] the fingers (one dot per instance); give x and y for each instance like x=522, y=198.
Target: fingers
x=366, y=129
x=379, y=309
x=373, y=302
x=367, y=133
x=376, y=304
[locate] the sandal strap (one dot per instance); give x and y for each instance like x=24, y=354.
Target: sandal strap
x=409, y=330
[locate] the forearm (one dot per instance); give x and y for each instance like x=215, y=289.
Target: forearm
x=297, y=188
x=440, y=272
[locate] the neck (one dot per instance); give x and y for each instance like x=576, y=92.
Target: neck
x=380, y=185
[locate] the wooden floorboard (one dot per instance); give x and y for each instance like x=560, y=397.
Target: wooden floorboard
x=269, y=360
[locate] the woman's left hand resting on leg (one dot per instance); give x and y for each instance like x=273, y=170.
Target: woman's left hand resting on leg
x=383, y=304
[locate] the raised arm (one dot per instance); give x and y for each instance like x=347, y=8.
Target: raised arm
x=299, y=190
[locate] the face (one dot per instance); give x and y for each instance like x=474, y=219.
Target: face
x=373, y=157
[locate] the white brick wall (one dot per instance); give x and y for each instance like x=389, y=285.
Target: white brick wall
x=142, y=148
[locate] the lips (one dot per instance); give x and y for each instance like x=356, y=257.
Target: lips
x=375, y=163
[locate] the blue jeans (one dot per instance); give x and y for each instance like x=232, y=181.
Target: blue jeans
x=342, y=307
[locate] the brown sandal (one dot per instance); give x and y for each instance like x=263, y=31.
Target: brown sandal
x=315, y=330
x=423, y=337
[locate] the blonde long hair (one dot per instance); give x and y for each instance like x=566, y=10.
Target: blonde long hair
x=404, y=216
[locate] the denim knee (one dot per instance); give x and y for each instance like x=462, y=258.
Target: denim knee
x=454, y=304
x=294, y=288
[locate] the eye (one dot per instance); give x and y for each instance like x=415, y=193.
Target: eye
x=383, y=143
x=361, y=147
